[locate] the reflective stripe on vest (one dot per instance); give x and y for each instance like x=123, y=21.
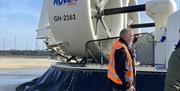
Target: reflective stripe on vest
x=111, y=66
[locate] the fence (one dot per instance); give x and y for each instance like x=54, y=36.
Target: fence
x=97, y=51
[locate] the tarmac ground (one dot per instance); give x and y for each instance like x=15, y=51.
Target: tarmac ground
x=15, y=70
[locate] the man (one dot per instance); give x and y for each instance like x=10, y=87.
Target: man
x=121, y=64
x=173, y=72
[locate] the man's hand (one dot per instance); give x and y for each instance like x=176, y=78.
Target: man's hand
x=132, y=88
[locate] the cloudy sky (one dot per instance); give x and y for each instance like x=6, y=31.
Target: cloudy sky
x=18, y=21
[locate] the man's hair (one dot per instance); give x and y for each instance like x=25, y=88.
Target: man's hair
x=124, y=32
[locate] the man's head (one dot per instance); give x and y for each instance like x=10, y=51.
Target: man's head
x=128, y=35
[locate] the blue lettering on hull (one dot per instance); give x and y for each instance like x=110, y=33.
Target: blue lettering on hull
x=62, y=2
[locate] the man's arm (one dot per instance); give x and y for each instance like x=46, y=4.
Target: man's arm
x=120, y=65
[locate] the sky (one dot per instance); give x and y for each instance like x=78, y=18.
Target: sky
x=19, y=21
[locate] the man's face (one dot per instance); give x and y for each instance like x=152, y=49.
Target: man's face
x=130, y=38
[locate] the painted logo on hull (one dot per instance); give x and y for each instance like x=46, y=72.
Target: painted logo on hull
x=64, y=2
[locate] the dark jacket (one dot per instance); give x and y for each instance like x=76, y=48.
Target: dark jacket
x=173, y=72
x=120, y=62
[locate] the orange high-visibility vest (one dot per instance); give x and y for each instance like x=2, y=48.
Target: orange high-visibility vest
x=112, y=74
